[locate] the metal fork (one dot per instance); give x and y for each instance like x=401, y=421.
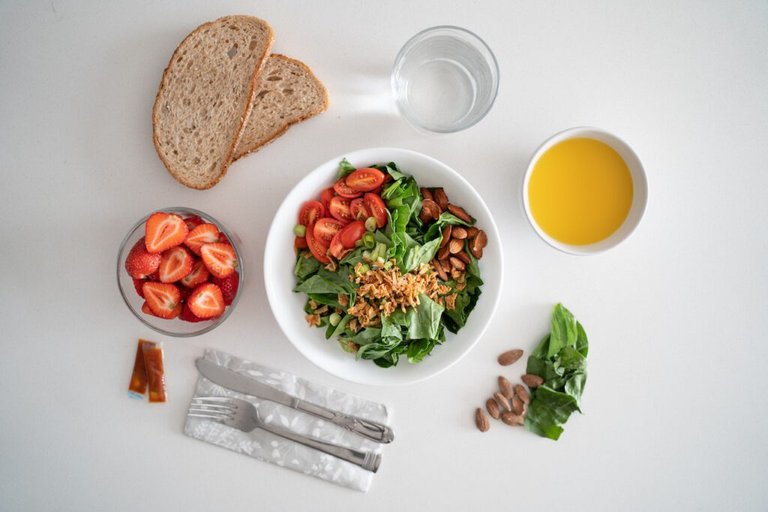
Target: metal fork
x=243, y=415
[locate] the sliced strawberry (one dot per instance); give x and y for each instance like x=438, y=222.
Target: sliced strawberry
x=163, y=299
x=176, y=264
x=138, y=284
x=206, y=301
x=146, y=310
x=228, y=286
x=188, y=316
x=223, y=239
x=184, y=292
x=198, y=275
x=140, y=263
x=202, y=234
x=154, y=276
x=163, y=231
x=220, y=259
x=193, y=221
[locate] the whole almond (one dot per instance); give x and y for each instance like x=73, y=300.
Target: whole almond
x=532, y=381
x=459, y=212
x=481, y=420
x=431, y=208
x=446, y=235
x=518, y=407
x=440, y=270
x=472, y=232
x=522, y=394
x=457, y=263
x=478, y=243
x=459, y=232
x=510, y=356
x=443, y=253
x=502, y=401
x=512, y=419
x=425, y=193
x=440, y=198
x=506, y=387
x=463, y=256
x=493, y=408
x=456, y=246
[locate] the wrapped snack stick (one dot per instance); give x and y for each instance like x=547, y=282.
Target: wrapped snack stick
x=153, y=362
x=137, y=388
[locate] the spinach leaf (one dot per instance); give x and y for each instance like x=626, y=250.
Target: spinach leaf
x=416, y=255
x=424, y=320
x=318, y=284
x=332, y=332
x=345, y=168
x=445, y=218
x=563, y=332
x=549, y=411
x=419, y=349
x=305, y=267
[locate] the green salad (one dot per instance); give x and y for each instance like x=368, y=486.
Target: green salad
x=387, y=266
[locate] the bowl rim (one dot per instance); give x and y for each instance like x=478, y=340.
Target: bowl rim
x=639, y=201
x=492, y=229
x=123, y=252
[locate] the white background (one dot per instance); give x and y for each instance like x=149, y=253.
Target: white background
x=676, y=405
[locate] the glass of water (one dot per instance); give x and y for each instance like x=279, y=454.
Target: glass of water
x=445, y=79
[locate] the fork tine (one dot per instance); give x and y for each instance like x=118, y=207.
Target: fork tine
x=212, y=407
x=212, y=417
x=214, y=399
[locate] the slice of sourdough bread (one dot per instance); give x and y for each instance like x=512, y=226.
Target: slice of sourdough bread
x=205, y=97
x=288, y=93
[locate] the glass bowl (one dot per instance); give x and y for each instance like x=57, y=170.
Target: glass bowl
x=175, y=326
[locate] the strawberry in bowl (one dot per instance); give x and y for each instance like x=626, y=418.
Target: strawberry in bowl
x=180, y=271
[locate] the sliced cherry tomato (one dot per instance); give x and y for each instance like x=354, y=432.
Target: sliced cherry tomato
x=326, y=228
x=311, y=212
x=339, y=209
x=317, y=247
x=326, y=196
x=365, y=180
x=300, y=243
x=344, y=190
x=377, y=208
x=358, y=209
x=337, y=249
x=351, y=233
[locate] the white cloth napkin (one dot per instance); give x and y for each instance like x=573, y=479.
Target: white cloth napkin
x=263, y=445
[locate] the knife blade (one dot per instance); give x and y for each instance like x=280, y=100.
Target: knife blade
x=242, y=384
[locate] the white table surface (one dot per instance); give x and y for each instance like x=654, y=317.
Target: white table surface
x=676, y=404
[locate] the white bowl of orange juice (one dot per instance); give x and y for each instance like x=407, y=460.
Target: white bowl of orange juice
x=585, y=191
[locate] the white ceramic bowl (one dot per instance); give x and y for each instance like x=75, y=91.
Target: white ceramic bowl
x=279, y=261
x=639, y=184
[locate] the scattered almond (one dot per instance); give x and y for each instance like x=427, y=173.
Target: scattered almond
x=472, y=232
x=493, y=408
x=481, y=420
x=502, y=401
x=440, y=198
x=522, y=394
x=440, y=270
x=463, y=256
x=459, y=212
x=446, y=235
x=512, y=419
x=510, y=356
x=518, y=407
x=457, y=263
x=456, y=246
x=443, y=253
x=532, y=381
x=506, y=387
x=478, y=243
x=429, y=210
x=426, y=194
x=459, y=232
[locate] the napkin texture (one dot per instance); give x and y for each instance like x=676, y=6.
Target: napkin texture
x=266, y=446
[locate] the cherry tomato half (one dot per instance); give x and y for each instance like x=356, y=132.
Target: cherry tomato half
x=365, y=180
x=377, y=208
x=344, y=190
x=317, y=247
x=358, y=209
x=326, y=228
x=310, y=212
x=325, y=197
x=300, y=243
x=351, y=233
x=337, y=249
x=339, y=208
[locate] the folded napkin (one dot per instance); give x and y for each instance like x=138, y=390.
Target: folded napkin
x=266, y=446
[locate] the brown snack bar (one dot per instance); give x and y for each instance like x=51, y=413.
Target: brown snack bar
x=153, y=361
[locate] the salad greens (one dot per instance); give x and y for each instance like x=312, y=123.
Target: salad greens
x=405, y=241
x=561, y=360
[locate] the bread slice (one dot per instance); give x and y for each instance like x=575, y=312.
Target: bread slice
x=288, y=93
x=206, y=95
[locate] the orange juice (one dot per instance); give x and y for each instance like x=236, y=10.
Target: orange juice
x=580, y=191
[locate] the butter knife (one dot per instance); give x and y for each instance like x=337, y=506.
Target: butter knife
x=242, y=384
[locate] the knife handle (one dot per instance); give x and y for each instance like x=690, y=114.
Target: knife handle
x=366, y=428
x=366, y=460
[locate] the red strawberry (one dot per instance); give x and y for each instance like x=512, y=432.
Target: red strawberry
x=198, y=275
x=163, y=231
x=202, y=234
x=139, y=263
x=145, y=309
x=220, y=259
x=223, y=239
x=193, y=221
x=138, y=284
x=188, y=316
x=228, y=286
x=206, y=301
x=164, y=300
x=154, y=276
x=176, y=264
